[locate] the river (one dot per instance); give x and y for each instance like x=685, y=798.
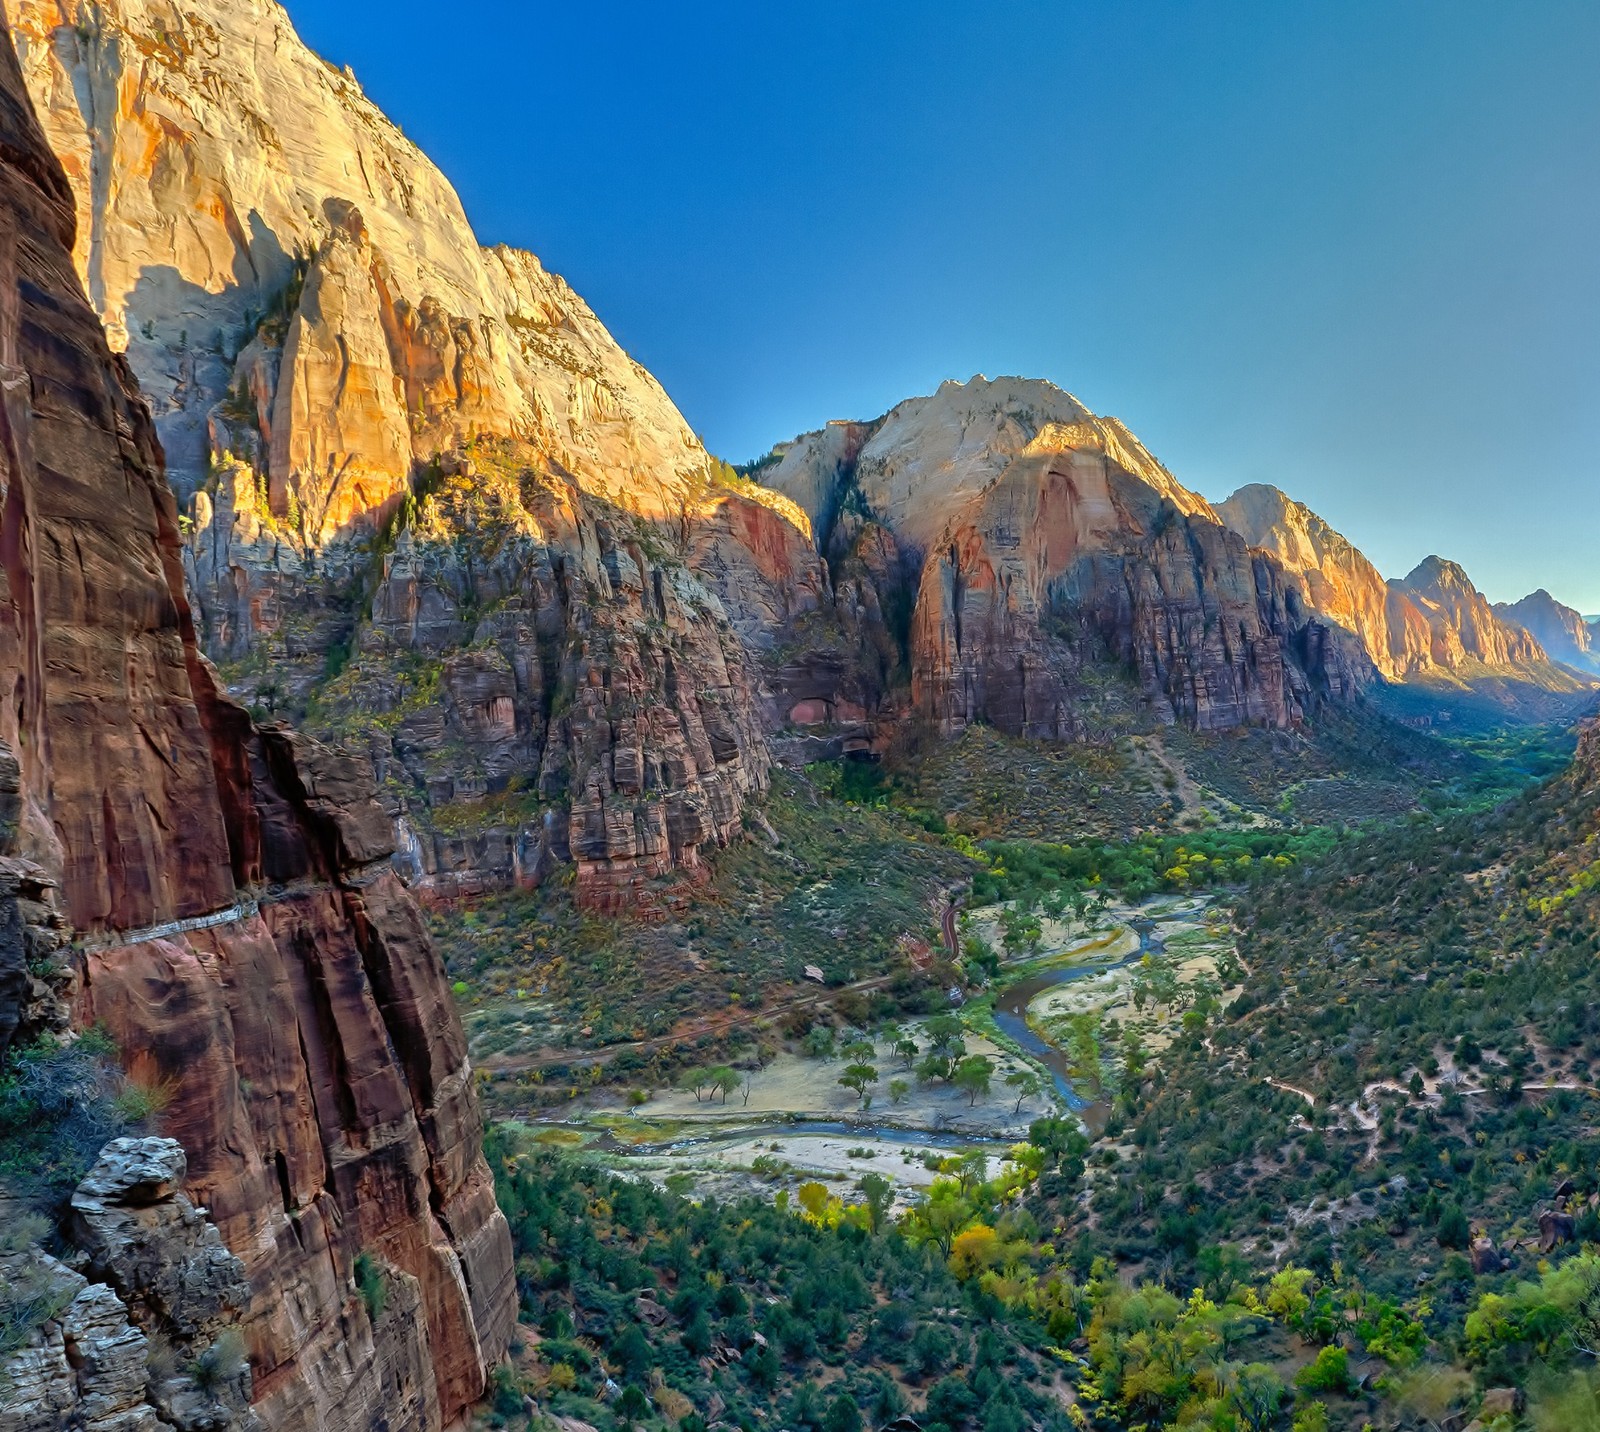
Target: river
x=1011, y=1014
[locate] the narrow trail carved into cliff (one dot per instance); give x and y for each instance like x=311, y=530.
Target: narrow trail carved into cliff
x=247, y=906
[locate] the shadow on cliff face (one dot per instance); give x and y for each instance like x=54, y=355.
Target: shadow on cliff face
x=183, y=342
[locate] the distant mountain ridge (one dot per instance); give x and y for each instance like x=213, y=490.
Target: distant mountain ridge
x=1566, y=634
x=1433, y=624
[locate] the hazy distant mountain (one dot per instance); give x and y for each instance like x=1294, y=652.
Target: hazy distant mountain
x=1566, y=634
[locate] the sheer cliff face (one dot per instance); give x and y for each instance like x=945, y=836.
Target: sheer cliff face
x=1037, y=542
x=529, y=642
x=1560, y=630
x=253, y=229
x=240, y=930
x=1433, y=622
x=300, y=293
x=1462, y=625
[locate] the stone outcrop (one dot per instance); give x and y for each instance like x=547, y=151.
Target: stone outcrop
x=1433, y=623
x=239, y=929
x=140, y=1233
x=88, y=1364
x=138, y=1336
x=1561, y=631
x=1034, y=546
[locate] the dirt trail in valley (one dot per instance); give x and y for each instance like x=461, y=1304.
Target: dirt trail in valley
x=498, y=1064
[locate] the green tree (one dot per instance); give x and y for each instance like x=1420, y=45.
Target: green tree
x=932, y=1067
x=972, y=1076
x=944, y=1033
x=632, y=1352
x=940, y=1216
x=1027, y=1085
x=980, y=957
x=1453, y=1231
x=1330, y=1372
x=860, y=1078
x=1257, y=1396
x=879, y=1195
x=842, y=1416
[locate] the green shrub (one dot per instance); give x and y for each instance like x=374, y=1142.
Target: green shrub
x=1330, y=1372
x=219, y=1364
x=28, y=1300
x=372, y=1285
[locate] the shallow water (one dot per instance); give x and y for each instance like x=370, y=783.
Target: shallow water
x=1011, y=1014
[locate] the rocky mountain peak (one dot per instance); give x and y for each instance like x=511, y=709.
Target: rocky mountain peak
x=1561, y=630
x=1439, y=575
x=253, y=209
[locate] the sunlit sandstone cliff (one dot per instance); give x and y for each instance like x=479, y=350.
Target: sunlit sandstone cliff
x=300, y=292
x=1033, y=545
x=250, y=224
x=238, y=928
x=1431, y=623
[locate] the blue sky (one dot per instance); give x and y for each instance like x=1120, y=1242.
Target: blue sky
x=1352, y=249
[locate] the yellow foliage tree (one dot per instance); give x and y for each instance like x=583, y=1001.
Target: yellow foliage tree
x=975, y=1250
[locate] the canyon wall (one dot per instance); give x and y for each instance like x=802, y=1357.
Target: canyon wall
x=431, y=509
x=239, y=928
x=322, y=339
x=1055, y=576
x=1433, y=623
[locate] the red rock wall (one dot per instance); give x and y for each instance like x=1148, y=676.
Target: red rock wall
x=321, y=1086
x=1069, y=559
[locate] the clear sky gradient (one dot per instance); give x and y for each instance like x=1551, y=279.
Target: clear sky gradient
x=1352, y=249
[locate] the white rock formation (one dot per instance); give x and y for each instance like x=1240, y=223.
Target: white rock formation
x=239, y=196
x=927, y=458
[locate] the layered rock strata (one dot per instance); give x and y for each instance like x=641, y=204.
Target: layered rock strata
x=240, y=931
x=139, y=1336
x=537, y=649
x=1034, y=546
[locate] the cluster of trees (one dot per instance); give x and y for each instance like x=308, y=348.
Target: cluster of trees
x=807, y=1313
x=971, y=1307
x=1429, y=1017
x=719, y=1080
x=942, y=1059
x=1030, y=871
